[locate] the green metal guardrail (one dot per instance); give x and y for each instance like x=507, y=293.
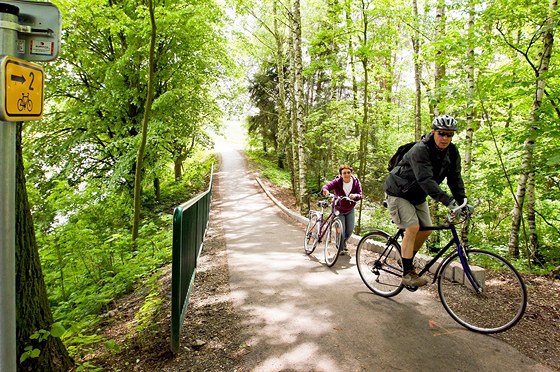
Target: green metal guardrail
x=190, y=221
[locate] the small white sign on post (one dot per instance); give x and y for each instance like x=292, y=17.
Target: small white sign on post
x=39, y=30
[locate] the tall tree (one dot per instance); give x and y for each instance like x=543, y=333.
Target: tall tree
x=526, y=179
x=283, y=128
x=299, y=106
x=364, y=55
x=470, y=114
x=145, y=120
x=32, y=304
x=439, y=65
x=417, y=72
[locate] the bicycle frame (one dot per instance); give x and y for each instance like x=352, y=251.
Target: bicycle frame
x=479, y=289
x=453, y=241
x=324, y=224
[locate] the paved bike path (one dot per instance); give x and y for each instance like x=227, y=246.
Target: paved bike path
x=300, y=315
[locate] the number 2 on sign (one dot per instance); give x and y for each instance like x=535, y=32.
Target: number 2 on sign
x=32, y=76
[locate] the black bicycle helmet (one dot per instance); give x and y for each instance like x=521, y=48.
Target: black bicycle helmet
x=445, y=122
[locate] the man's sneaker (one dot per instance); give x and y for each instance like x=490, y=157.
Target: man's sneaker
x=344, y=251
x=413, y=280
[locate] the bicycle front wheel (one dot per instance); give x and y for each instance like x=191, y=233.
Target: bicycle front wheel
x=311, y=234
x=333, y=239
x=379, y=264
x=497, y=306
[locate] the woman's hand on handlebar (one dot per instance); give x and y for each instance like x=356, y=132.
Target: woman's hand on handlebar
x=333, y=196
x=348, y=198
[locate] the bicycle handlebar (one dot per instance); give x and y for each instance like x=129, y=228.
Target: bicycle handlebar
x=460, y=206
x=464, y=210
x=332, y=196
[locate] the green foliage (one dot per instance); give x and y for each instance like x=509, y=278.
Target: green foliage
x=57, y=330
x=97, y=99
x=86, y=250
x=30, y=352
x=264, y=93
x=267, y=165
x=86, y=366
x=146, y=316
x=481, y=66
x=80, y=161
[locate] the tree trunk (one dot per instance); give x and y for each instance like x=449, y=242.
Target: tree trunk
x=293, y=113
x=283, y=129
x=439, y=74
x=364, y=127
x=513, y=242
x=181, y=156
x=417, y=75
x=32, y=303
x=299, y=98
x=141, y=149
x=349, y=29
x=531, y=220
x=157, y=188
x=362, y=170
x=470, y=112
x=439, y=67
x=178, y=168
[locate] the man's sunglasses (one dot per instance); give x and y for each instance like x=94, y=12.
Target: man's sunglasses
x=445, y=134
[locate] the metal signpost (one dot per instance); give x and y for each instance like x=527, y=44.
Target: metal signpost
x=29, y=31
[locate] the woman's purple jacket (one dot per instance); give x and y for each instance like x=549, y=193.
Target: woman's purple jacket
x=335, y=187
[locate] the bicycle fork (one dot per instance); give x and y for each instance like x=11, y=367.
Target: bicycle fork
x=463, y=258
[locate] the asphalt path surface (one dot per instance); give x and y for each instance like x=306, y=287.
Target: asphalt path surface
x=301, y=315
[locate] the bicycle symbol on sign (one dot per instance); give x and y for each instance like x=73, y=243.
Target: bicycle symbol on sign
x=25, y=102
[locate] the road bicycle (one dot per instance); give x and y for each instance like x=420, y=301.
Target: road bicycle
x=481, y=290
x=328, y=230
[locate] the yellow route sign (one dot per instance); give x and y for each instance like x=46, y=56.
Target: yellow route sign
x=21, y=90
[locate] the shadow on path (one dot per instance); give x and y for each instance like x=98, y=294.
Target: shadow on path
x=300, y=315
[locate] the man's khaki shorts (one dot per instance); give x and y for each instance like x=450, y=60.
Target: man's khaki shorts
x=405, y=214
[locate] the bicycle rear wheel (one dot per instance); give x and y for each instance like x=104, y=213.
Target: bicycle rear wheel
x=333, y=239
x=380, y=264
x=311, y=234
x=501, y=302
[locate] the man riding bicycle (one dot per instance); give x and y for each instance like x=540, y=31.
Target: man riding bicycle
x=419, y=174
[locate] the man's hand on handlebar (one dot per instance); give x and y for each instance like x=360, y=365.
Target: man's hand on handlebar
x=467, y=211
x=462, y=211
x=453, y=206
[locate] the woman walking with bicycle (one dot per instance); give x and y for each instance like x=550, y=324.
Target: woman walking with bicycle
x=419, y=174
x=345, y=184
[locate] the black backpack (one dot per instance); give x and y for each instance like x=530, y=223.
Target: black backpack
x=398, y=155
